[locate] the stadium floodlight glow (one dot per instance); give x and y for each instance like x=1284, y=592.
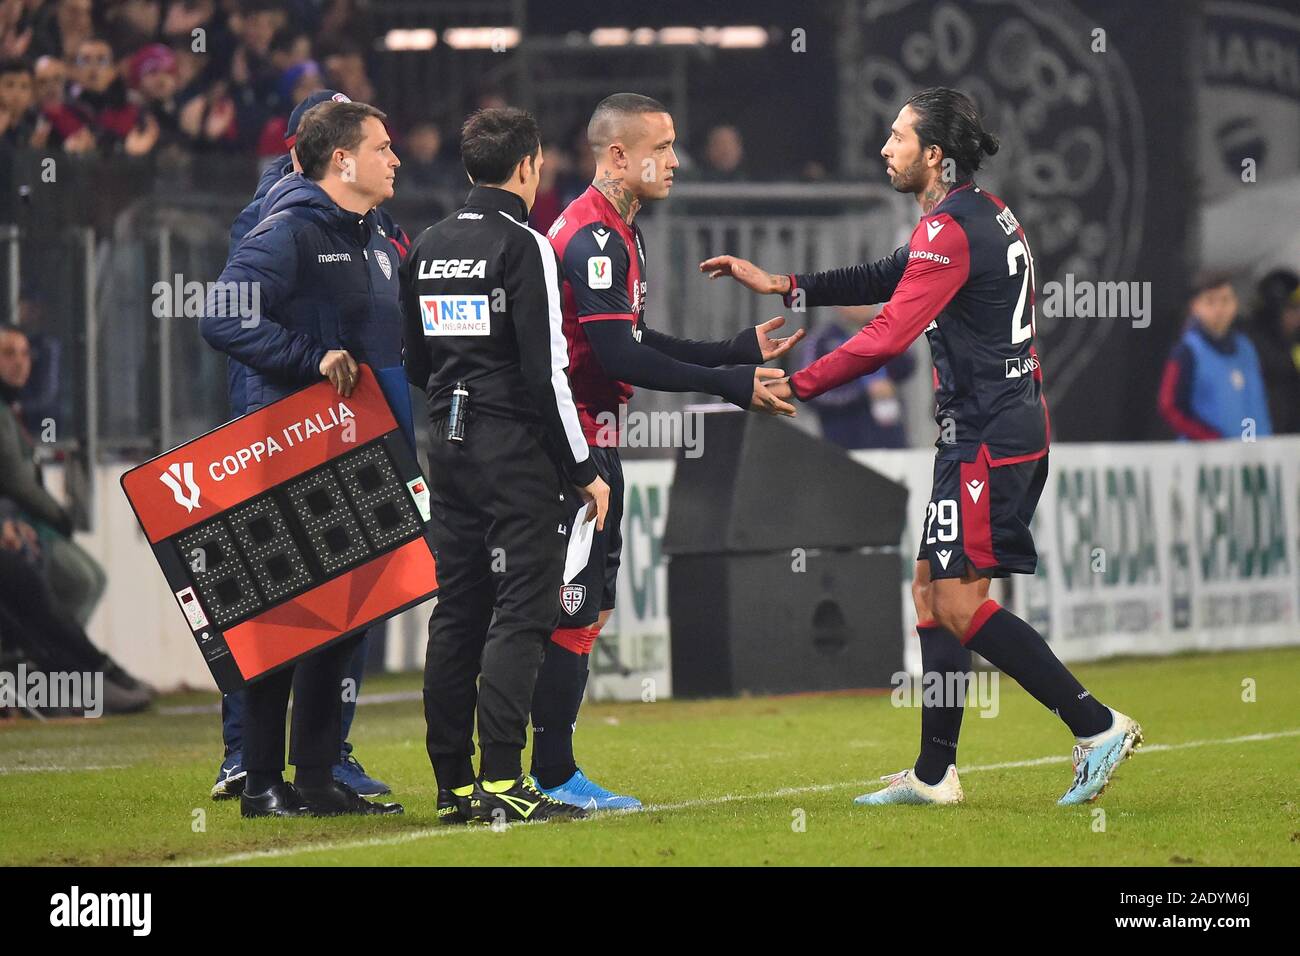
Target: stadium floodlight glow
x=481, y=38
x=680, y=36
x=732, y=37
x=740, y=37
x=420, y=38
x=611, y=36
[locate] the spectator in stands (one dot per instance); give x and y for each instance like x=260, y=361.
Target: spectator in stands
x=254, y=80
x=60, y=27
x=549, y=202
x=99, y=105
x=42, y=399
x=49, y=82
x=427, y=165
x=297, y=83
x=490, y=98
x=15, y=29
x=18, y=116
x=581, y=168
x=345, y=69
x=185, y=16
x=347, y=18
x=208, y=120
x=289, y=47
x=74, y=576
x=51, y=85
x=724, y=156
x=34, y=624
x=131, y=24
x=152, y=73
x=1212, y=386
x=190, y=71
x=1275, y=333
x=867, y=412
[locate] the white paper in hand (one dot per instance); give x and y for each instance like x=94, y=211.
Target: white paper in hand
x=579, y=544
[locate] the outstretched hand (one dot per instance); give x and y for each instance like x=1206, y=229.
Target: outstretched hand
x=773, y=348
x=747, y=274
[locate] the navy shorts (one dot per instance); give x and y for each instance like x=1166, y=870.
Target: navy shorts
x=978, y=516
x=594, y=588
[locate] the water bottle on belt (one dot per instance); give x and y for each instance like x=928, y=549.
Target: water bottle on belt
x=457, y=413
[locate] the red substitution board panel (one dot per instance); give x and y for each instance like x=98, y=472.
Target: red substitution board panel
x=289, y=528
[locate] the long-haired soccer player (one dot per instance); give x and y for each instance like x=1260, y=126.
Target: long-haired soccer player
x=966, y=279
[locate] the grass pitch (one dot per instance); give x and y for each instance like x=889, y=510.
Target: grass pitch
x=755, y=781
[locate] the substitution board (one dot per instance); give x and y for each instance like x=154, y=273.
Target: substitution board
x=289, y=528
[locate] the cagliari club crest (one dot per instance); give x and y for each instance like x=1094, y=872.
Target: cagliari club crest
x=572, y=597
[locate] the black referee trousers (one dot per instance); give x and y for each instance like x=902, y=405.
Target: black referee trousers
x=499, y=533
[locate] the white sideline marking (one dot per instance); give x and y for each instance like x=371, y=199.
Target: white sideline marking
x=365, y=700
x=56, y=768
x=440, y=831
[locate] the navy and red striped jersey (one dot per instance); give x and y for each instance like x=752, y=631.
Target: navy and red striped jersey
x=966, y=279
x=603, y=264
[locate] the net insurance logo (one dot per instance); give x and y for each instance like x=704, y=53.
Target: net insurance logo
x=455, y=315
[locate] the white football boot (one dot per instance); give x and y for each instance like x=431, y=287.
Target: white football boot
x=906, y=787
x=1095, y=758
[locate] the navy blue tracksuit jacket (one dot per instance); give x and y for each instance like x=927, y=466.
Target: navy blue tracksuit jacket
x=326, y=279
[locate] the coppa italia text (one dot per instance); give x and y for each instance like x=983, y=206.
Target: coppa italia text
x=294, y=434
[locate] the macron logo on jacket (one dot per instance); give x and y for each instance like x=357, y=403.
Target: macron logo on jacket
x=312, y=262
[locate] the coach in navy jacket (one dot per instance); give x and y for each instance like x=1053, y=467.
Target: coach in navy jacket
x=326, y=281
x=253, y=213
x=311, y=291
x=349, y=770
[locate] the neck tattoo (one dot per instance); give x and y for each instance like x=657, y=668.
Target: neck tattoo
x=619, y=196
x=933, y=196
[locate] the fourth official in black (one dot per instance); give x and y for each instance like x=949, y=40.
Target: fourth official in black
x=483, y=338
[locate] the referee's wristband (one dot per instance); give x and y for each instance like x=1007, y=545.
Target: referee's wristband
x=584, y=473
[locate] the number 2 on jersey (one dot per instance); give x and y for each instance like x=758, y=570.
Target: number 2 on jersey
x=1021, y=332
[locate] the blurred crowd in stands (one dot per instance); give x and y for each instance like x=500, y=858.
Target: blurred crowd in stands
x=138, y=76
x=185, y=77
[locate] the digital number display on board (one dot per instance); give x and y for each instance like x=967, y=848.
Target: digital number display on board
x=289, y=528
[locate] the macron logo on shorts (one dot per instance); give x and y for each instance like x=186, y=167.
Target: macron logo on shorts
x=975, y=486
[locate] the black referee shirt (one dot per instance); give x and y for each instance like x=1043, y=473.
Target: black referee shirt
x=481, y=297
